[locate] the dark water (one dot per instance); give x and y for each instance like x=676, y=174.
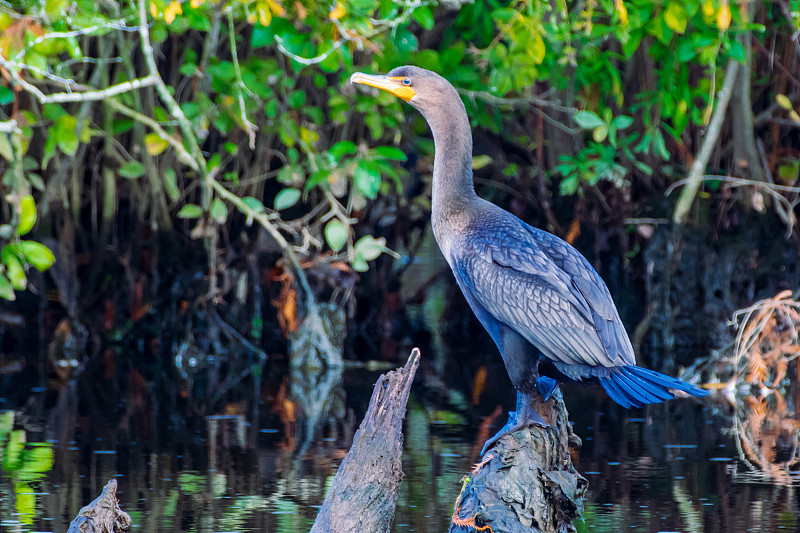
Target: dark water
x=670, y=467
x=260, y=459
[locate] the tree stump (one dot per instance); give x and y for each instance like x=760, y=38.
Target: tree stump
x=526, y=482
x=103, y=515
x=365, y=489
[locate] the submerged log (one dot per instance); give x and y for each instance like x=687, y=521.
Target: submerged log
x=103, y=515
x=365, y=489
x=526, y=481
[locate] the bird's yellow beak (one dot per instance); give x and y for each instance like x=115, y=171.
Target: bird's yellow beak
x=390, y=85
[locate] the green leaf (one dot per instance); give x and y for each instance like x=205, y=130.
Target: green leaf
x=367, y=179
x=254, y=204
x=14, y=268
x=6, y=95
x=219, y=211
x=424, y=16
x=366, y=249
x=6, y=290
x=676, y=17
x=336, y=234
x=65, y=136
x=171, y=184
x=737, y=51
x=286, y=198
x=622, y=122
x=27, y=216
x=342, y=148
x=297, y=99
x=391, y=152
x=131, y=170
x=262, y=36
x=190, y=211
x=569, y=185
x=37, y=254
x=587, y=120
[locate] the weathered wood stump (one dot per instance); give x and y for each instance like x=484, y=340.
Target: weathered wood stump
x=526, y=482
x=103, y=515
x=365, y=489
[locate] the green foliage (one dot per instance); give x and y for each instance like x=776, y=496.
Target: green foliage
x=264, y=119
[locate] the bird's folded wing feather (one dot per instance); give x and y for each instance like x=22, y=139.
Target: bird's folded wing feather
x=523, y=287
x=593, y=289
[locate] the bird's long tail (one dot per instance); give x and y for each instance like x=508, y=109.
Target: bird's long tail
x=633, y=386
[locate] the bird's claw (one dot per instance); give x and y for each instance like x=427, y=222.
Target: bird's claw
x=515, y=423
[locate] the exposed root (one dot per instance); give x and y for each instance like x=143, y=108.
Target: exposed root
x=469, y=522
x=755, y=380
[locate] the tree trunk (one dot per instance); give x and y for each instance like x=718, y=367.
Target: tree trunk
x=364, y=491
x=526, y=482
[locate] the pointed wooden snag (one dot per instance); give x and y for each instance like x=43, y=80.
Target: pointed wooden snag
x=103, y=515
x=364, y=491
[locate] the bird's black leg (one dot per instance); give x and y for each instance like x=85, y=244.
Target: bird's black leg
x=524, y=416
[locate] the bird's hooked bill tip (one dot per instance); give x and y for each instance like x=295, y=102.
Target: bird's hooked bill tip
x=360, y=77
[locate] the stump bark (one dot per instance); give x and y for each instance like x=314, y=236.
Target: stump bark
x=364, y=492
x=103, y=515
x=526, y=482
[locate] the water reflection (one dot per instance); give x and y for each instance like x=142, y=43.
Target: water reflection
x=669, y=467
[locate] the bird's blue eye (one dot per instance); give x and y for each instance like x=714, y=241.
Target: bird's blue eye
x=407, y=81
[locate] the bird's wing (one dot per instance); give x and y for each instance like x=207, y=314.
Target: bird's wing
x=594, y=290
x=519, y=284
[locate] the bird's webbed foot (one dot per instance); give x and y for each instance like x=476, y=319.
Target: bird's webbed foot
x=523, y=417
x=546, y=386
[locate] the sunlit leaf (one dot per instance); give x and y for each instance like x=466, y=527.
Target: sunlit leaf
x=676, y=16
x=480, y=161
x=783, y=101
x=337, y=12
x=14, y=267
x=367, y=179
x=391, y=152
x=172, y=10
x=27, y=215
x=190, y=211
x=155, y=144
x=37, y=254
x=342, y=148
x=369, y=248
x=600, y=133
x=6, y=290
x=336, y=234
x=724, y=16
x=622, y=122
x=587, y=120
x=219, y=211
x=424, y=16
x=286, y=198
x=254, y=204
x=131, y=170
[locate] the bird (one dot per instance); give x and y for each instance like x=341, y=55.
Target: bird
x=547, y=309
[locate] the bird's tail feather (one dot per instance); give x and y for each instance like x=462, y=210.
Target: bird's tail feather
x=633, y=386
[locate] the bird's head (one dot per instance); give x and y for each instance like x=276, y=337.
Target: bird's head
x=421, y=88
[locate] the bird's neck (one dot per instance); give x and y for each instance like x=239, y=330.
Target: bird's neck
x=453, y=189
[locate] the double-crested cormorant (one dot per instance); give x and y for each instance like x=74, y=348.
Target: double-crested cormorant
x=546, y=308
